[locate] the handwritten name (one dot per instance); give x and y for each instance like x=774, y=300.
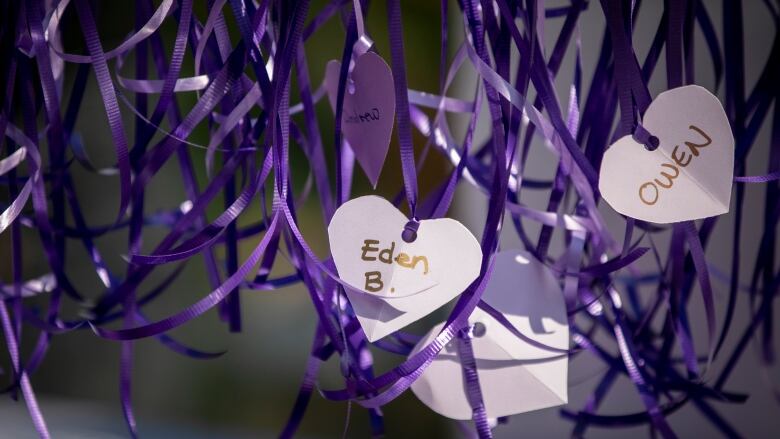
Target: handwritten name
x=650, y=191
x=366, y=116
x=372, y=252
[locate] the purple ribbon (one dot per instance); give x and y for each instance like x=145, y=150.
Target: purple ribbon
x=640, y=311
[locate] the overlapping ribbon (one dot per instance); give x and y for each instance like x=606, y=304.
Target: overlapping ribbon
x=613, y=305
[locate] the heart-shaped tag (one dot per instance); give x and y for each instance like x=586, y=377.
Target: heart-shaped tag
x=515, y=375
x=369, y=109
x=688, y=176
x=397, y=282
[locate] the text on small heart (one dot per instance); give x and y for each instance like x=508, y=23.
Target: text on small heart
x=649, y=192
x=374, y=278
x=366, y=116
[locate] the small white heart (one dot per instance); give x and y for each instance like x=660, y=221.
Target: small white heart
x=515, y=375
x=396, y=282
x=688, y=176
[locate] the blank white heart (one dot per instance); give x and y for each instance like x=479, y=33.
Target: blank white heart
x=515, y=375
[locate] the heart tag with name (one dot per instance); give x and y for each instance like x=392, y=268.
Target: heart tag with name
x=688, y=176
x=516, y=375
x=369, y=109
x=395, y=283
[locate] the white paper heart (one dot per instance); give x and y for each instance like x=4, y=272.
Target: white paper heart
x=515, y=375
x=369, y=109
x=688, y=176
x=395, y=282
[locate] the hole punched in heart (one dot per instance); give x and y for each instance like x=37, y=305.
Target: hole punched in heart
x=641, y=135
x=362, y=45
x=410, y=230
x=477, y=330
x=349, y=85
